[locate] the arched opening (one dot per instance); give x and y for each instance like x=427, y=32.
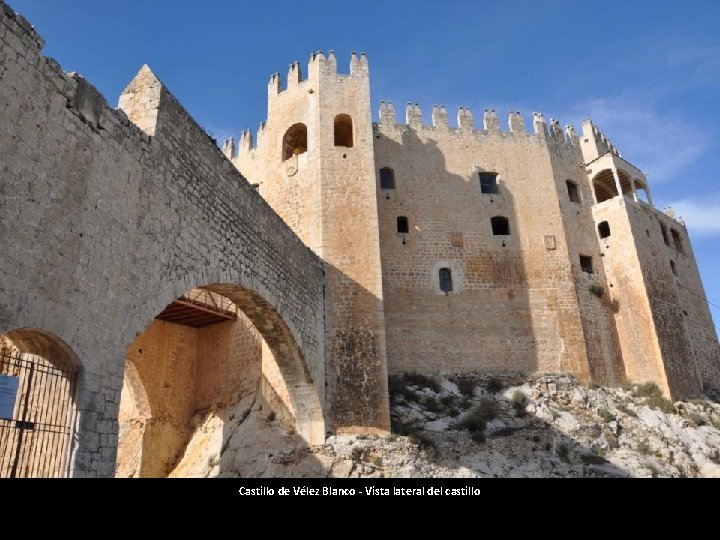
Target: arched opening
x=38, y=378
x=214, y=377
x=604, y=186
x=387, y=178
x=294, y=141
x=573, y=192
x=625, y=183
x=445, y=280
x=500, y=225
x=343, y=131
x=641, y=191
x=603, y=229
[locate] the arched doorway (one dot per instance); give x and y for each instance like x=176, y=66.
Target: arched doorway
x=213, y=365
x=38, y=378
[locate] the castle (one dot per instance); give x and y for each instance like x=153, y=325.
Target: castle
x=150, y=277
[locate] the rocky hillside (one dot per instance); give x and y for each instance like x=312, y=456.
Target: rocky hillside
x=480, y=427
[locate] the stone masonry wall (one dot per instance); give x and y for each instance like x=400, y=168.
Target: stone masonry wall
x=103, y=224
x=514, y=305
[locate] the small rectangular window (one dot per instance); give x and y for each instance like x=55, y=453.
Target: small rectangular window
x=603, y=229
x=402, y=225
x=488, y=183
x=445, y=280
x=586, y=263
x=573, y=193
x=387, y=178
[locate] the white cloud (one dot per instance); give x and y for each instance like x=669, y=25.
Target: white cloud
x=700, y=216
x=655, y=142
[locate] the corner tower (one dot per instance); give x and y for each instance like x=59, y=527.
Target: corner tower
x=313, y=162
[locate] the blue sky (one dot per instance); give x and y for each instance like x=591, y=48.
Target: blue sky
x=648, y=72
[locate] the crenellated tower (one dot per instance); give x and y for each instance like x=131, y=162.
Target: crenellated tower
x=313, y=162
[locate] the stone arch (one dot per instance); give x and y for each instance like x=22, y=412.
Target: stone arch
x=343, y=130
x=604, y=186
x=295, y=141
x=36, y=433
x=270, y=316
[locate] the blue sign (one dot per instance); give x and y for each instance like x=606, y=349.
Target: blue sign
x=8, y=393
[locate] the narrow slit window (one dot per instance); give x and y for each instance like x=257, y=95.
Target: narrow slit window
x=402, y=225
x=586, y=264
x=573, y=192
x=604, y=229
x=387, y=178
x=445, y=280
x=488, y=183
x=673, y=267
x=343, y=131
x=500, y=226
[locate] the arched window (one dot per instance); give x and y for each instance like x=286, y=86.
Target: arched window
x=604, y=186
x=500, y=226
x=673, y=267
x=445, y=277
x=343, y=131
x=294, y=141
x=387, y=178
x=402, y=225
x=573, y=192
x=604, y=229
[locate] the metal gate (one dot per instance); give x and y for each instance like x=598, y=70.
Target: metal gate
x=36, y=416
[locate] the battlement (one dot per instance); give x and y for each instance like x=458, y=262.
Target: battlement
x=594, y=143
x=319, y=66
x=491, y=123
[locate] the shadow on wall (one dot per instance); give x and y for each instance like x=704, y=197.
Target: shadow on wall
x=487, y=321
x=201, y=374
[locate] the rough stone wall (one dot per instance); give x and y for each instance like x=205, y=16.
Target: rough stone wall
x=654, y=338
x=327, y=196
x=513, y=304
x=104, y=224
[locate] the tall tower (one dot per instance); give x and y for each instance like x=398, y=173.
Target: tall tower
x=314, y=164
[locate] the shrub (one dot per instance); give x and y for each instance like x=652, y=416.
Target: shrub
x=494, y=384
x=596, y=289
x=562, y=451
x=647, y=390
x=466, y=386
x=432, y=404
x=398, y=387
x=378, y=461
x=592, y=459
x=519, y=401
x=422, y=381
x=447, y=400
x=624, y=409
x=361, y=437
x=478, y=437
x=659, y=402
x=606, y=415
x=592, y=385
x=696, y=419
x=643, y=447
x=478, y=417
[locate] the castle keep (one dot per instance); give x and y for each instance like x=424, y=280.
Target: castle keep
x=150, y=279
